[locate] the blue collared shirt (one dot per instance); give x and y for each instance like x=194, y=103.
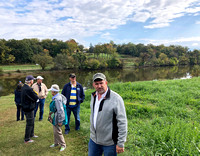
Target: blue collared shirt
x=55, y=96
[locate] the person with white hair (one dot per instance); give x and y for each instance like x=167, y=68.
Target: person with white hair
x=42, y=91
x=58, y=116
x=28, y=99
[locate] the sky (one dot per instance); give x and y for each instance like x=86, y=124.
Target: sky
x=168, y=22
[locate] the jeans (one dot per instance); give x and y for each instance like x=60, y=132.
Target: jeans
x=41, y=105
x=75, y=111
x=29, y=132
x=19, y=109
x=97, y=150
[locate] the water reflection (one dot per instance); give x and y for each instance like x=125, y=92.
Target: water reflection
x=7, y=85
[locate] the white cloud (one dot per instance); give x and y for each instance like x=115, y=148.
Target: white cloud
x=195, y=44
x=80, y=19
x=187, y=41
x=197, y=22
x=166, y=11
x=159, y=25
x=141, y=16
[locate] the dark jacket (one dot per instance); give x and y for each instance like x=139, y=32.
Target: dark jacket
x=28, y=98
x=18, y=97
x=80, y=95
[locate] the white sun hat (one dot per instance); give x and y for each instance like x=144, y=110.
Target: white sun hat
x=54, y=88
x=40, y=77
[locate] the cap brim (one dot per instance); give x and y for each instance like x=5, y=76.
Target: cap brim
x=52, y=89
x=98, y=78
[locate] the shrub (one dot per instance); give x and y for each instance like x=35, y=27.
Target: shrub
x=63, y=61
x=1, y=71
x=92, y=64
x=114, y=63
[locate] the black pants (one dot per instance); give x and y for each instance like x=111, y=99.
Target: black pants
x=20, y=111
x=29, y=132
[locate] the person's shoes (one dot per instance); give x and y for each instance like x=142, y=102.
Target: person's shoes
x=62, y=149
x=30, y=141
x=35, y=136
x=77, y=129
x=53, y=145
x=67, y=132
x=40, y=119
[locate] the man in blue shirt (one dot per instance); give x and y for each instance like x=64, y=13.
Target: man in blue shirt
x=74, y=93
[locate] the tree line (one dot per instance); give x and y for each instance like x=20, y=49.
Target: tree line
x=151, y=55
x=70, y=54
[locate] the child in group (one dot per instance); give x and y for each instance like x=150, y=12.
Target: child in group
x=18, y=102
x=57, y=116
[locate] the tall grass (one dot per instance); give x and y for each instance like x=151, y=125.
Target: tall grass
x=163, y=119
x=163, y=116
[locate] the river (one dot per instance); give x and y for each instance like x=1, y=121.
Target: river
x=8, y=84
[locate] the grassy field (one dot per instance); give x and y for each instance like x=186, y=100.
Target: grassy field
x=163, y=119
x=21, y=67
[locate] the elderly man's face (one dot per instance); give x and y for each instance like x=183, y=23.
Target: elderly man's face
x=39, y=81
x=100, y=86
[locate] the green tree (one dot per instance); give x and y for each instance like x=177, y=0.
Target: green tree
x=98, y=49
x=21, y=50
x=64, y=61
x=80, y=57
x=5, y=56
x=183, y=60
x=43, y=59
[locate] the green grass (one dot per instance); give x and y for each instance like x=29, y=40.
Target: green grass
x=21, y=67
x=163, y=119
x=12, y=134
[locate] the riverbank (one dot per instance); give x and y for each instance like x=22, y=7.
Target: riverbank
x=163, y=119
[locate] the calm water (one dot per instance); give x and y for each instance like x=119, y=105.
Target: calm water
x=8, y=85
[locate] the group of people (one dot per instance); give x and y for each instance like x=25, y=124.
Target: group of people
x=108, y=128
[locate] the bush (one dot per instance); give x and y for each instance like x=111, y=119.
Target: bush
x=114, y=63
x=63, y=61
x=92, y=64
x=1, y=71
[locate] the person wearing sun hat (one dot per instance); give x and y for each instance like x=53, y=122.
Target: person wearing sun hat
x=42, y=91
x=28, y=99
x=57, y=116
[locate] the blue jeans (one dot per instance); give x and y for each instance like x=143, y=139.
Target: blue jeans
x=97, y=150
x=41, y=105
x=75, y=111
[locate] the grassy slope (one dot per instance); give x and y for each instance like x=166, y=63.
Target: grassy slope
x=163, y=119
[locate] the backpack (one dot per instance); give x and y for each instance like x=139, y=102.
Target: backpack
x=53, y=110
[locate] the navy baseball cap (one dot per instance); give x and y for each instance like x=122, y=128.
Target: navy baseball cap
x=29, y=78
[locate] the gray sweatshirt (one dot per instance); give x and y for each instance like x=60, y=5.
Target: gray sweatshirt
x=111, y=124
x=60, y=114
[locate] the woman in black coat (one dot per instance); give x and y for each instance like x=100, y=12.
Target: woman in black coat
x=18, y=102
